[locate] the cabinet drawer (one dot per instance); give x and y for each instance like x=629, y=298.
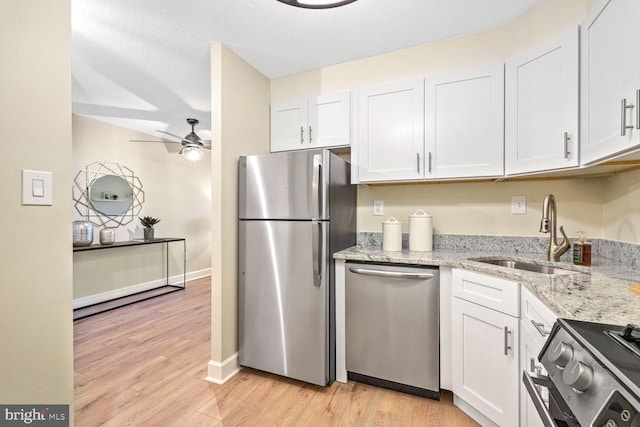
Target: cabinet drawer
x=491, y=292
x=537, y=317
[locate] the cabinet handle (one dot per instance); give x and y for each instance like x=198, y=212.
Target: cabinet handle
x=301, y=135
x=429, y=161
x=418, y=162
x=389, y=273
x=623, y=120
x=566, y=145
x=638, y=109
x=540, y=328
x=507, y=347
x=310, y=138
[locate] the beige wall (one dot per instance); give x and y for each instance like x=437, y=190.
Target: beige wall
x=621, y=210
x=36, y=327
x=485, y=208
x=240, y=120
x=176, y=191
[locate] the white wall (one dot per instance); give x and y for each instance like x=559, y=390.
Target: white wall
x=176, y=191
x=36, y=327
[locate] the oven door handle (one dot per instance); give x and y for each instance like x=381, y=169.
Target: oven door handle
x=530, y=383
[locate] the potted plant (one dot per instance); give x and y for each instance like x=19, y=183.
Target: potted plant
x=148, y=222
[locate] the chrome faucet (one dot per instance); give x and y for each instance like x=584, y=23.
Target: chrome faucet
x=550, y=218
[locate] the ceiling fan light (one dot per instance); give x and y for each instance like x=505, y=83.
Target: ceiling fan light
x=317, y=4
x=192, y=154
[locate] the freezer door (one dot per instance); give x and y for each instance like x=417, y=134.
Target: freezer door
x=289, y=185
x=283, y=298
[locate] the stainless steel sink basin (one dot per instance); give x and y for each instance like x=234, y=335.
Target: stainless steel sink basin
x=519, y=265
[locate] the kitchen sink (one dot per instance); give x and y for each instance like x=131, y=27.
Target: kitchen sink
x=519, y=265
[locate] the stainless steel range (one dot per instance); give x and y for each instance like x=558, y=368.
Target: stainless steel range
x=593, y=375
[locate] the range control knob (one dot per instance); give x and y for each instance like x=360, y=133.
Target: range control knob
x=578, y=375
x=560, y=354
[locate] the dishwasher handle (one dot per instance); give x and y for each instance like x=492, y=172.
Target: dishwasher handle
x=391, y=274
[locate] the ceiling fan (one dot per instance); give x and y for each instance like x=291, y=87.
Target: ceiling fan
x=192, y=144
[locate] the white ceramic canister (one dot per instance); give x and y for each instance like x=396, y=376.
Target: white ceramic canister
x=392, y=235
x=420, y=232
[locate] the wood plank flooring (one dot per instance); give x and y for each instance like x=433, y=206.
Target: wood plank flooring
x=144, y=365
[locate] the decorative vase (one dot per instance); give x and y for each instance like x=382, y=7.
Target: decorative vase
x=148, y=234
x=82, y=233
x=107, y=236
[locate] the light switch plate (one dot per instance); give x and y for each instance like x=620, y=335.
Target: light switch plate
x=518, y=205
x=37, y=188
x=378, y=208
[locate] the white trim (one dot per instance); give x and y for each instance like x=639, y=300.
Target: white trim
x=341, y=342
x=220, y=373
x=140, y=287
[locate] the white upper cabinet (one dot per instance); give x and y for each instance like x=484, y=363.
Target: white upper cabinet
x=611, y=79
x=464, y=123
x=542, y=107
x=391, y=132
x=322, y=121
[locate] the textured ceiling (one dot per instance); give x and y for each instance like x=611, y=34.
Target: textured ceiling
x=144, y=65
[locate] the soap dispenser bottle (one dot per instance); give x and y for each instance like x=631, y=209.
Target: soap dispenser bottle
x=582, y=250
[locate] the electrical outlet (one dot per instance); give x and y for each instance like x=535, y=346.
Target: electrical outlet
x=518, y=205
x=378, y=208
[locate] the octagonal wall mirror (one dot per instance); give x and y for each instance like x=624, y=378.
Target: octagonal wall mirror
x=108, y=194
x=111, y=195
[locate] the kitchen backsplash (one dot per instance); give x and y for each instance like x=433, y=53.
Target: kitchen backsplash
x=627, y=253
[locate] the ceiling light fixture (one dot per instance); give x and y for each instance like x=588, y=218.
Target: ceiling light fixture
x=316, y=4
x=192, y=152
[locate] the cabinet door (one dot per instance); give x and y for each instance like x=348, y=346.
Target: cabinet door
x=288, y=125
x=530, y=347
x=391, y=132
x=464, y=124
x=542, y=108
x=329, y=120
x=610, y=64
x=485, y=361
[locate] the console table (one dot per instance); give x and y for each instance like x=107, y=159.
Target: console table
x=90, y=310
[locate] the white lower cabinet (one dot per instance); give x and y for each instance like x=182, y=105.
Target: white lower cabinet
x=485, y=346
x=535, y=326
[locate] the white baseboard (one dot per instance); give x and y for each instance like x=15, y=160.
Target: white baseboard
x=140, y=287
x=221, y=372
x=473, y=412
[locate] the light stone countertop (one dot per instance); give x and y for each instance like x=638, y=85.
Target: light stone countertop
x=597, y=294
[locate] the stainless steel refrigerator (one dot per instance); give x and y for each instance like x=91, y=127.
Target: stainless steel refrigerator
x=295, y=210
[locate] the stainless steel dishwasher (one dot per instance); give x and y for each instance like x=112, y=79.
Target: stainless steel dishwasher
x=392, y=327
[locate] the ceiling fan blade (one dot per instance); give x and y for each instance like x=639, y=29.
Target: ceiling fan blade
x=166, y=141
x=171, y=134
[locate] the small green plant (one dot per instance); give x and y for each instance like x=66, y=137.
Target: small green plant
x=148, y=221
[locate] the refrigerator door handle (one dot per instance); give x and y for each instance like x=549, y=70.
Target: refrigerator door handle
x=316, y=252
x=316, y=192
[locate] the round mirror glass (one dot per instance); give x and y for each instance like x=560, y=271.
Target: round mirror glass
x=111, y=195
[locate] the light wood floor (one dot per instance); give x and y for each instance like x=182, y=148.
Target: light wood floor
x=144, y=365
